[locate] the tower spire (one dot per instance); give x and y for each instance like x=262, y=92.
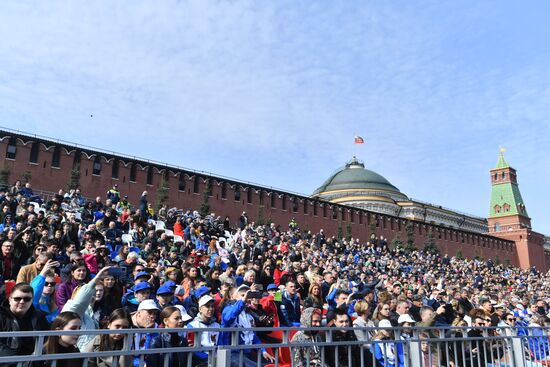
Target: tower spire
x=501, y=163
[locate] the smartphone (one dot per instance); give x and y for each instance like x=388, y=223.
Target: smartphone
x=259, y=287
x=116, y=273
x=254, y=294
x=149, y=270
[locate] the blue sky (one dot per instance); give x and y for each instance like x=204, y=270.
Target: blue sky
x=274, y=91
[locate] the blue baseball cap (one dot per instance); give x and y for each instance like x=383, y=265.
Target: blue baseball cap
x=272, y=286
x=141, y=286
x=141, y=274
x=201, y=291
x=170, y=283
x=165, y=289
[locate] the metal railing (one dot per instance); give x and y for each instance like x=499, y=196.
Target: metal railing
x=323, y=346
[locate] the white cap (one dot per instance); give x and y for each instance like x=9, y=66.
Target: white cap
x=385, y=323
x=405, y=318
x=184, y=315
x=148, y=304
x=205, y=299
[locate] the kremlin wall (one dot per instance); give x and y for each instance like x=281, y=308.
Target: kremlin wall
x=353, y=201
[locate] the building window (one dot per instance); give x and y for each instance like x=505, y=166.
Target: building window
x=273, y=200
x=261, y=198
x=344, y=216
x=352, y=217
x=224, y=190
x=167, y=179
x=295, y=205
x=11, y=149
x=503, y=175
x=496, y=176
x=34, y=152
x=360, y=217
x=237, y=193
x=325, y=210
x=334, y=213
x=133, y=172
x=150, y=176
x=196, y=185
x=56, y=157
x=76, y=160
x=497, y=208
x=284, y=202
x=506, y=207
x=315, y=208
x=181, y=182
x=114, y=171
x=97, y=167
x=305, y=207
x=249, y=195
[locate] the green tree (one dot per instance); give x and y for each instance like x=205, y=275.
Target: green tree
x=397, y=242
x=409, y=230
x=74, y=179
x=459, y=255
x=348, y=231
x=162, y=193
x=430, y=246
x=261, y=219
x=5, y=176
x=204, y=209
x=26, y=177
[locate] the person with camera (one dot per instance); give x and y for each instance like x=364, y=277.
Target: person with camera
x=236, y=313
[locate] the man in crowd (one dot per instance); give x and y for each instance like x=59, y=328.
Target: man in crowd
x=18, y=314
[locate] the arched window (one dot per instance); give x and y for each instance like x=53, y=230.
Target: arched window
x=11, y=150
x=224, y=190
x=249, y=195
x=261, y=197
x=497, y=208
x=181, y=182
x=150, y=176
x=284, y=202
x=237, y=193
x=295, y=205
x=496, y=176
x=503, y=175
x=56, y=157
x=133, y=172
x=35, y=149
x=97, y=166
x=114, y=171
x=196, y=184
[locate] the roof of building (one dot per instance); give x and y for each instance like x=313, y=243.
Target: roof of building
x=355, y=176
x=501, y=163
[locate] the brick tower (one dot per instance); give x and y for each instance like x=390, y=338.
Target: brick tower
x=508, y=218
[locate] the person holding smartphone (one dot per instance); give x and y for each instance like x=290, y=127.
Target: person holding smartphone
x=43, y=286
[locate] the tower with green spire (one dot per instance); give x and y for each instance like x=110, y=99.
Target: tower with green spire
x=508, y=217
x=507, y=210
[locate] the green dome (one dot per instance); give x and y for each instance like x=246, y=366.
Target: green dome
x=355, y=177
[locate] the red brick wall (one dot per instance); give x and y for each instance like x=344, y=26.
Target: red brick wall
x=44, y=177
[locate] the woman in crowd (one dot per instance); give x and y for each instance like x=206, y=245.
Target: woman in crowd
x=113, y=291
x=43, y=286
x=79, y=275
x=213, y=279
x=362, y=321
x=266, y=277
x=382, y=312
x=82, y=304
x=190, y=281
x=118, y=319
x=315, y=297
x=171, y=319
x=64, y=343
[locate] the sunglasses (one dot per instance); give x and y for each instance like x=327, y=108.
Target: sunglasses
x=49, y=284
x=24, y=299
x=511, y=319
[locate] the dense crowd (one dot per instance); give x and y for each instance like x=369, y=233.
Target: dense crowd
x=67, y=263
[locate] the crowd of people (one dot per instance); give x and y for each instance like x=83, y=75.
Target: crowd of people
x=68, y=263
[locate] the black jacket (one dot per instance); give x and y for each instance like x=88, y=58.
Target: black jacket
x=33, y=320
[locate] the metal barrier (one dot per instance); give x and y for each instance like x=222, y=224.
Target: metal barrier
x=315, y=347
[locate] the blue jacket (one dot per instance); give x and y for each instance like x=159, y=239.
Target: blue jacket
x=230, y=318
x=37, y=285
x=290, y=310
